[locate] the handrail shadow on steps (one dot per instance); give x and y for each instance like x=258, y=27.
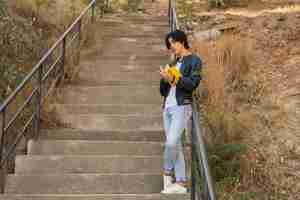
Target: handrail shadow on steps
x=22, y=122
x=201, y=181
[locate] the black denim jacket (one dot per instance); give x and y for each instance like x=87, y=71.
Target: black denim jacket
x=188, y=82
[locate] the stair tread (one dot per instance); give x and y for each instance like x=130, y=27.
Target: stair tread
x=111, y=135
x=94, y=196
x=85, y=183
x=90, y=147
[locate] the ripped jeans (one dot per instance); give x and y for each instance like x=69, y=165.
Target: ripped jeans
x=175, y=121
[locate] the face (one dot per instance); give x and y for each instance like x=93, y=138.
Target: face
x=176, y=46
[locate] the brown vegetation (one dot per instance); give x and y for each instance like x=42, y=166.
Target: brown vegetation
x=229, y=96
x=249, y=94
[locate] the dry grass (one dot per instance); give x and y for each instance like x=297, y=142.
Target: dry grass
x=226, y=77
x=41, y=12
x=281, y=9
x=54, y=17
x=233, y=95
x=125, y=5
x=50, y=13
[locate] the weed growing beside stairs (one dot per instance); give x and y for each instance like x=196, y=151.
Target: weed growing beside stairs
x=230, y=95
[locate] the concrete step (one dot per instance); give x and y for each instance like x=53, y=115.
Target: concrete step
x=122, y=135
x=134, y=16
x=84, y=184
x=113, y=68
x=126, y=46
x=112, y=122
x=132, y=47
x=149, y=21
x=145, y=59
x=132, y=55
x=92, y=82
x=95, y=197
x=88, y=164
x=132, y=39
x=137, y=94
x=92, y=76
x=118, y=21
x=133, y=31
x=88, y=147
x=129, y=30
x=107, y=24
x=131, y=52
x=109, y=109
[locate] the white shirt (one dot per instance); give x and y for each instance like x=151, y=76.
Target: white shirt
x=171, y=98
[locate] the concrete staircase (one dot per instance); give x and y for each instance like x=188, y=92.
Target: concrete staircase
x=114, y=150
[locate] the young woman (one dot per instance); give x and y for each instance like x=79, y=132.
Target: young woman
x=176, y=86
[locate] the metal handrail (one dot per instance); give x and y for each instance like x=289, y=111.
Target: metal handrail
x=37, y=78
x=173, y=22
x=201, y=180
x=199, y=156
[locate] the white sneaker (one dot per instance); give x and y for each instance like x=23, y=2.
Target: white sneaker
x=175, y=189
x=167, y=181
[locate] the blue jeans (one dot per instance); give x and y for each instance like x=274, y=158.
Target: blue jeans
x=175, y=121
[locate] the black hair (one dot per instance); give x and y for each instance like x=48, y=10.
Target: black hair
x=177, y=36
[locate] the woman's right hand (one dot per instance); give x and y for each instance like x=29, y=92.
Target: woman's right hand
x=164, y=75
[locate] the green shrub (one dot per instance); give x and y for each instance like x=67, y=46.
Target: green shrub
x=225, y=161
x=2, y=8
x=10, y=77
x=184, y=10
x=216, y=3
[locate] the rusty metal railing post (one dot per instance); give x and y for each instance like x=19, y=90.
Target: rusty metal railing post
x=193, y=168
x=79, y=30
x=2, y=134
x=63, y=58
x=107, y=4
x=93, y=12
x=201, y=153
x=169, y=12
x=2, y=168
x=79, y=39
x=39, y=102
